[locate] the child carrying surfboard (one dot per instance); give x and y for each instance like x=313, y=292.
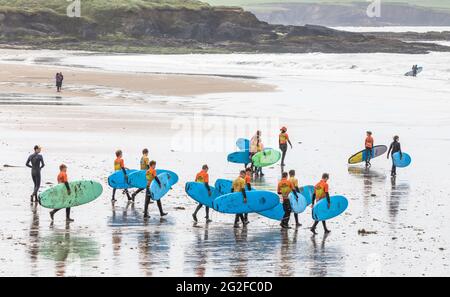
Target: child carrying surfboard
x=248, y=185
x=368, y=143
x=294, y=183
x=321, y=192
x=151, y=175
x=145, y=165
x=203, y=177
x=394, y=148
x=119, y=164
x=284, y=189
x=256, y=146
x=239, y=186
x=63, y=179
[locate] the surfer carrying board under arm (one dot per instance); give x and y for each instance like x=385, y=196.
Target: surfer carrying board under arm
x=63, y=179
x=320, y=192
x=394, y=148
x=145, y=165
x=239, y=186
x=203, y=177
x=368, y=143
x=283, y=140
x=256, y=146
x=284, y=189
x=150, y=176
x=296, y=190
x=248, y=185
x=119, y=164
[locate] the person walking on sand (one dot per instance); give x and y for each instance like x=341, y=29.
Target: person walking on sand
x=248, y=186
x=256, y=146
x=239, y=186
x=36, y=163
x=119, y=164
x=296, y=191
x=62, y=179
x=368, y=143
x=394, y=148
x=415, y=68
x=203, y=177
x=59, y=80
x=151, y=175
x=283, y=140
x=145, y=165
x=284, y=189
x=320, y=192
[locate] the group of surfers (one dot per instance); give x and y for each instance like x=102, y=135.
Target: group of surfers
x=287, y=184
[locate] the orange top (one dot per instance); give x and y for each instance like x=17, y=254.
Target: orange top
x=284, y=188
x=202, y=177
x=248, y=179
x=118, y=164
x=369, y=142
x=150, y=175
x=321, y=189
x=62, y=177
x=283, y=138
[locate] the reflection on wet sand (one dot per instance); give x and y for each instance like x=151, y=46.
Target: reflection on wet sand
x=68, y=251
x=240, y=256
x=321, y=258
x=369, y=176
x=399, y=192
x=33, y=249
x=287, y=263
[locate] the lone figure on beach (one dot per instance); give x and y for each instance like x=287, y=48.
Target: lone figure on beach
x=36, y=163
x=59, y=80
x=283, y=140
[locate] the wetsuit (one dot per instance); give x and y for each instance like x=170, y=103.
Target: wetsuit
x=394, y=148
x=320, y=192
x=36, y=163
x=62, y=179
x=283, y=140
x=239, y=186
x=145, y=165
x=369, y=147
x=202, y=177
x=284, y=189
x=151, y=175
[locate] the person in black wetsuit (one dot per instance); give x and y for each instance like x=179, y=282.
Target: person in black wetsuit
x=394, y=148
x=414, y=70
x=36, y=163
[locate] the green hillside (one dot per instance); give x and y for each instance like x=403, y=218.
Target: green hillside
x=439, y=4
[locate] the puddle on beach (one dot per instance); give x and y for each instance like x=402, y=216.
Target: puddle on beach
x=34, y=100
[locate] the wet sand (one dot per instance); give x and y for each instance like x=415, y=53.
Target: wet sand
x=408, y=214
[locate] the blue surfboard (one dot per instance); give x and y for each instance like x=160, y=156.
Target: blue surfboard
x=307, y=192
x=243, y=144
x=199, y=193
x=299, y=203
x=257, y=201
x=242, y=157
x=276, y=213
x=138, y=179
x=402, y=162
x=117, y=179
x=321, y=212
x=159, y=191
x=223, y=186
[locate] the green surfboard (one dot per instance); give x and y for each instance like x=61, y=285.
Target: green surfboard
x=82, y=192
x=266, y=158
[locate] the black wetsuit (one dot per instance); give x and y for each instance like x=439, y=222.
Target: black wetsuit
x=394, y=148
x=36, y=163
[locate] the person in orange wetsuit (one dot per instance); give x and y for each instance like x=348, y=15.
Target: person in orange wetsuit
x=248, y=187
x=321, y=192
x=203, y=177
x=284, y=189
x=283, y=140
x=119, y=164
x=150, y=176
x=62, y=179
x=368, y=143
x=239, y=186
x=296, y=190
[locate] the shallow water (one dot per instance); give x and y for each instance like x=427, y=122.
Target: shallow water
x=327, y=106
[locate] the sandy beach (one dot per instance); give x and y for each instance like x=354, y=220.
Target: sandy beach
x=188, y=120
